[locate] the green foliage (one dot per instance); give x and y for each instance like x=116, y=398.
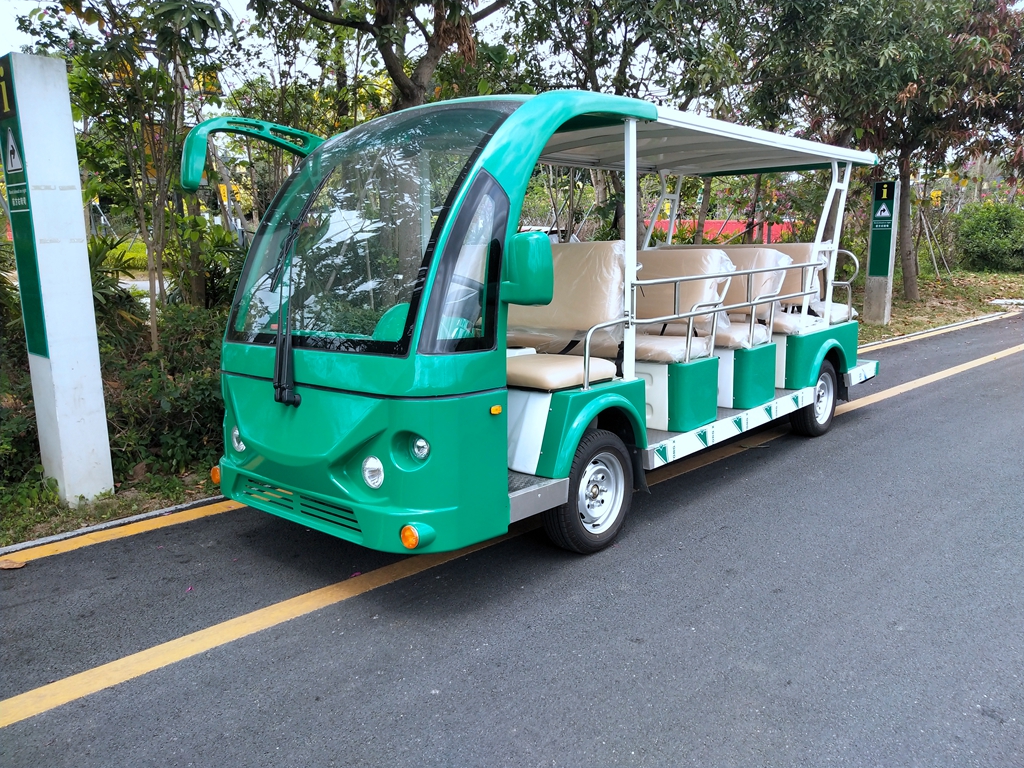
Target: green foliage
x=165, y=408
x=204, y=261
x=990, y=237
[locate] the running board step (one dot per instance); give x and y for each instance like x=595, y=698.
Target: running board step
x=529, y=495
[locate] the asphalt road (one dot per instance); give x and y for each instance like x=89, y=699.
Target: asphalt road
x=857, y=599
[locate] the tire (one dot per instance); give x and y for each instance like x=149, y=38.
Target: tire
x=815, y=419
x=600, y=493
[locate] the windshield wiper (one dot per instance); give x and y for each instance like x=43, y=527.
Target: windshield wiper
x=284, y=371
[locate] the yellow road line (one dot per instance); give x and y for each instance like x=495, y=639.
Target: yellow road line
x=47, y=697
x=885, y=394
x=39, y=700
x=109, y=534
x=869, y=348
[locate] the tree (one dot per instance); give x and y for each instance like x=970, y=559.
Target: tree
x=911, y=79
x=390, y=23
x=133, y=70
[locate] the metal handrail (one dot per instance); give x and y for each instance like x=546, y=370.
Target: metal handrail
x=848, y=284
x=716, y=307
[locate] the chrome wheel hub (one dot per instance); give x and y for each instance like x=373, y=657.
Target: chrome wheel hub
x=601, y=491
x=824, y=394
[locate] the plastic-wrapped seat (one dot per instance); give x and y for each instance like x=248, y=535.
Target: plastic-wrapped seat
x=589, y=285
x=654, y=341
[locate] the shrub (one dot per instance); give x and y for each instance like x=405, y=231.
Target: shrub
x=165, y=408
x=990, y=237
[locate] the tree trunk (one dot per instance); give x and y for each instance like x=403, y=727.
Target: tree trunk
x=702, y=214
x=196, y=268
x=749, y=235
x=908, y=258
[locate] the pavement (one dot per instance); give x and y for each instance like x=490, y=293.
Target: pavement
x=855, y=599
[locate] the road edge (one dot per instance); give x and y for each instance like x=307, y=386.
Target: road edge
x=121, y=521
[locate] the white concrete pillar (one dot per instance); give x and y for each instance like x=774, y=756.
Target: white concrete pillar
x=45, y=195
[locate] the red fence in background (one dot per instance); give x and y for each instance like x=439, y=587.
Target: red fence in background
x=713, y=228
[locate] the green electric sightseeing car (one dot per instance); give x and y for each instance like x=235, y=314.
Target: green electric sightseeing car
x=405, y=369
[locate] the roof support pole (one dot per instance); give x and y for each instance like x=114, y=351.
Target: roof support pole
x=630, y=205
x=838, y=189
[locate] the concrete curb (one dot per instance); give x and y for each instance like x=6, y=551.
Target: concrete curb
x=871, y=344
x=109, y=524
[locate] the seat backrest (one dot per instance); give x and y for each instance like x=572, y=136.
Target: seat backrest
x=800, y=253
x=761, y=284
x=589, y=288
x=659, y=300
x=793, y=280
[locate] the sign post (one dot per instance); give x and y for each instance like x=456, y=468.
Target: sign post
x=881, y=253
x=44, y=191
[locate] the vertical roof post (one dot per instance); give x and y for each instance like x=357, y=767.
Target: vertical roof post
x=840, y=187
x=630, y=212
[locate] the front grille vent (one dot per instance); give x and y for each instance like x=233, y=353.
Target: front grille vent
x=264, y=495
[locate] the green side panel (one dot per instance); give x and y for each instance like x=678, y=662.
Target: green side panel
x=753, y=376
x=573, y=409
x=305, y=463
x=805, y=353
x=692, y=394
x=19, y=203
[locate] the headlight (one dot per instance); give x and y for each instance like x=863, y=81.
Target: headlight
x=373, y=471
x=420, y=448
x=236, y=440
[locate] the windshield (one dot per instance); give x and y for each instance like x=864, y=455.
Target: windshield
x=346, y=245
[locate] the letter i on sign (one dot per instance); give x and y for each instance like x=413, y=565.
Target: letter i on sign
x=4, y=98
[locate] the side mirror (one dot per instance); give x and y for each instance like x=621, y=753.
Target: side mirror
x=529, y=270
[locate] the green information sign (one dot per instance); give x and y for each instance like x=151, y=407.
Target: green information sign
x=883, y=232
x=21, y=217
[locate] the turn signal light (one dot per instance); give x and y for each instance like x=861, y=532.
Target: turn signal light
x=215, y=475
x=410, y=537
x=495, y=410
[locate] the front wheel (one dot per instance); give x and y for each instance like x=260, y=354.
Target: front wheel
x=600, y=492
x=815, y=419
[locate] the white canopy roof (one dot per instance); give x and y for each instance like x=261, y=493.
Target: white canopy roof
x=693, y=145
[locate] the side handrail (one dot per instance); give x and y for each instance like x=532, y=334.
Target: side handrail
x=716, y=307
x=848, y=284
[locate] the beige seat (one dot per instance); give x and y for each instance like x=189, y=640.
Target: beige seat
x=793, y=322
x=670, y=349
x=553, y=372
x=762, y=284
x=654, y=342
x=588, y=290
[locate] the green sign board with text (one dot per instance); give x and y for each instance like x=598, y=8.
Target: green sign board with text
x=883, y=231
x=21, y=218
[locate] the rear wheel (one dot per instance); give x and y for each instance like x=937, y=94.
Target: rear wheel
x=600, y=492
x=815, y=419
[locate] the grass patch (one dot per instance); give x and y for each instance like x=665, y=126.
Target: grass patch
x=26, y=522
x=950, y=300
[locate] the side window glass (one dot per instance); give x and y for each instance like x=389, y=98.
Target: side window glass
x=463, y=308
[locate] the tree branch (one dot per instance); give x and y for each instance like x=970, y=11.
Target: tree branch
x=483, y=13
x=351, y=22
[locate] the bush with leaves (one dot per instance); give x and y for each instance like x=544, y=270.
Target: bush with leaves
x=165, y=409
x=990, y=237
